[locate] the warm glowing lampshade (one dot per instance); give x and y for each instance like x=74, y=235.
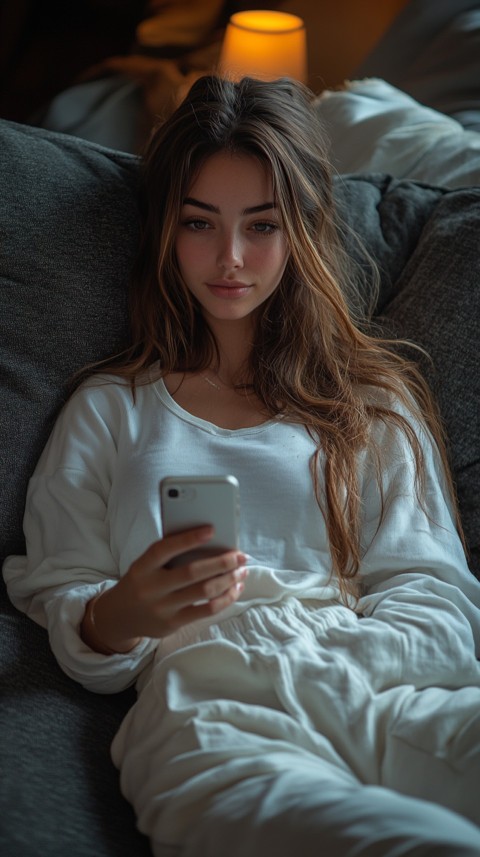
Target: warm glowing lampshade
x=264, y=44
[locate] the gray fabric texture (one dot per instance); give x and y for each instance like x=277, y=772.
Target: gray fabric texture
x=59, y=790
x=68, y=231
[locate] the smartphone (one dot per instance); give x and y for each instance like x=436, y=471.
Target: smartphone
x=192, y=501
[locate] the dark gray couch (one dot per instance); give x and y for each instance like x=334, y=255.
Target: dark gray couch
x=68, y=229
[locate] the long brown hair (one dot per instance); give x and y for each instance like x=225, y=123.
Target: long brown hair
x=311, y=359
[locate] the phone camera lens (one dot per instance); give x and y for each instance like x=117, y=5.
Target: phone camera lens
x=173, y=492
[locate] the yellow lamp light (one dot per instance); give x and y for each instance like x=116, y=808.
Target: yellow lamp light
x=265, y=45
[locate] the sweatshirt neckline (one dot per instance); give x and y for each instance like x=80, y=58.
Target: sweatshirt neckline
x=205, y=425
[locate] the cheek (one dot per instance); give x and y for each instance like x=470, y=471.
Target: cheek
x=271, y=259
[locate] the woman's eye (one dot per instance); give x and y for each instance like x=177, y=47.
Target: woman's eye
x=265, y=227
x=196, y=225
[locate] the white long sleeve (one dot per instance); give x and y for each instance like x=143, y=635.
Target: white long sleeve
x=415, y=571
x=69, y=550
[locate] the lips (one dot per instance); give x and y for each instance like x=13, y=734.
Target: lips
x=228, y=289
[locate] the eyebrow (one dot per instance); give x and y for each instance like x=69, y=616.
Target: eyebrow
x=206, y=206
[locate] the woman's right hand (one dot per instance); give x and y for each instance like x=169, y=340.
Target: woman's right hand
x=151, y=600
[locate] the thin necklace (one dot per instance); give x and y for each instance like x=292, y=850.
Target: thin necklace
x=223, y=385
x=212, y=383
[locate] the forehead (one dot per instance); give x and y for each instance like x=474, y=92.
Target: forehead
x=241, y=176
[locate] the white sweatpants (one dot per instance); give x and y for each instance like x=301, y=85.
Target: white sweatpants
x=282, y=731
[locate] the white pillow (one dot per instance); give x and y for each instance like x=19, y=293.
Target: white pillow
x=374, y=127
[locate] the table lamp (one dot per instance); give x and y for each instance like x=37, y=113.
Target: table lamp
x=265, y=45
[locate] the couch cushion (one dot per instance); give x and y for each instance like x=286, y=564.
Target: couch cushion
x=437, y=305
x=68, y=226
x=59, y=790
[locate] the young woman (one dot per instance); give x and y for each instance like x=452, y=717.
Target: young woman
x=316, y=691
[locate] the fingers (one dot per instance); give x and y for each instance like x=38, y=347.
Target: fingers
x=203, y=573
x=194, y=612
x=191, y=573
x=163, y=599
x=160, y=553
x=210, y=588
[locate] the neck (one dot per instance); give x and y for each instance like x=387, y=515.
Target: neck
x=234, y=344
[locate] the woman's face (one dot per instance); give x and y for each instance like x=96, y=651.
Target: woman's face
x=230, y=245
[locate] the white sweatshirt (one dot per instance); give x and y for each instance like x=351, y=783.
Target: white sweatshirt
x=93, y=507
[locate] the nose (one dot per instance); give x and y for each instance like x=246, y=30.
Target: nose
x=230, y=252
